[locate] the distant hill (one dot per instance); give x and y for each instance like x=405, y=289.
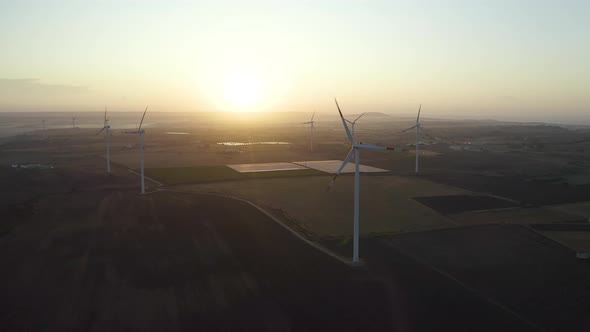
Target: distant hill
x=376, y=115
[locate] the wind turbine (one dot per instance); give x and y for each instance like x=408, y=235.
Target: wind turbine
x=419, y=130
x=73, y=122
x=140, y=132
x=353, y=122
x=311, y=132
x=355, y=151
x=107, y=128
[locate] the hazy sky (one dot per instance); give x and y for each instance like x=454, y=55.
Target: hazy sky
x=500, y=59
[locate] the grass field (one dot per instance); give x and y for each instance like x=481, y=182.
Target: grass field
x=200, y=174
x=386, y=201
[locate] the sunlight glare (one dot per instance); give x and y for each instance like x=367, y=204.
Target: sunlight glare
x=242, y=90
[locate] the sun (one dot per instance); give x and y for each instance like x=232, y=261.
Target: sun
x=240, y=86
x=242, y=91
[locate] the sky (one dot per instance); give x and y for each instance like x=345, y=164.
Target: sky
x=503, y=59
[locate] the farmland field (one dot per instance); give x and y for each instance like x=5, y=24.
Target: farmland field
x=81, y=250
x=581, y=209
x=386, y=201
x=460, y=203
x=529, y=215
x=577, y=240
x=172, y=261
x=198, y=262
x=517, y=188
x=538, y=279
x=198, y=174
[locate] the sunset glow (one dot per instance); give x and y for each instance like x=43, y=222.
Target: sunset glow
x=383, y=56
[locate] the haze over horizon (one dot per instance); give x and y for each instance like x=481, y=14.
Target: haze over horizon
x=505, y=60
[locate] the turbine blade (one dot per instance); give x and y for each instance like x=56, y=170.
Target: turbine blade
x=358, y=118
x=344, y=123
x=312, y=116
x=346, y=161
x=348, y=121
x=105, y=113
x=373, y=147
x=418, y=117
x=308, y=122
x=142, y=118
x=98, y=132
x=403, y=131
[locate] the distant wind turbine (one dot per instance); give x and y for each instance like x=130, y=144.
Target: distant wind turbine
x=140, y=132
x=107, y=133
x=354, y=122
x=74, y=122
x=312, y=128
x=419, y=130
x=355, y=151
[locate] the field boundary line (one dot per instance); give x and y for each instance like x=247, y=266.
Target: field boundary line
x=275, y=219
x=159, y=184
x=505, y=198
x=488, y=210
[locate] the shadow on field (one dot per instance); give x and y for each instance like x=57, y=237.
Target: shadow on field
x=175, y=262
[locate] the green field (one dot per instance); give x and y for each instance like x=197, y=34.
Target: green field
x=205, y=174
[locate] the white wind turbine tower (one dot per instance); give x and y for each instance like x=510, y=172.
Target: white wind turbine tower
x=419, y=130
x=107, y=133
x=312, y=128
x=355, y=151
x=354, y=122
x=73, y=122
x=140, y=132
